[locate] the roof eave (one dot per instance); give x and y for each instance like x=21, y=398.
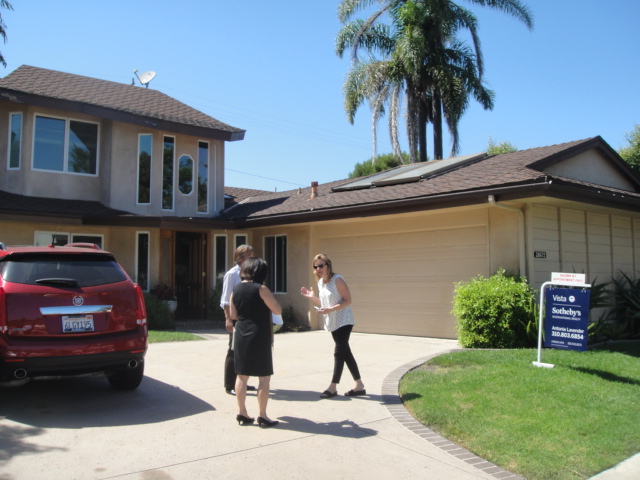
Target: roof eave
x=119, y=115
x=600, y=197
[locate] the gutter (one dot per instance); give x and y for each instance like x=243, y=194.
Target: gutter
x=521, y=231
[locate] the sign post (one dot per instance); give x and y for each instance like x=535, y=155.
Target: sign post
x=567, y=314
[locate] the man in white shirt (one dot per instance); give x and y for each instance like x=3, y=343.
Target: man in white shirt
x=231, y=279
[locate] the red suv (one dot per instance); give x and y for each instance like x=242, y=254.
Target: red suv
x=69, y=311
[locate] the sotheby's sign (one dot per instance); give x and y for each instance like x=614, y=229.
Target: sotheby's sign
x=567, y=318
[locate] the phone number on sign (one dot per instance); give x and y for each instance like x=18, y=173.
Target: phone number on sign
x=576, y=336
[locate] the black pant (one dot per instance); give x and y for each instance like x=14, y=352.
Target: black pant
x=342, y=354
x=230, y=367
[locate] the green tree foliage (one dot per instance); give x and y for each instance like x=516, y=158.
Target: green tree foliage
x=631, y=153
x=380, y=164
x=419, y=57
x=3, y=27
x=498, y=148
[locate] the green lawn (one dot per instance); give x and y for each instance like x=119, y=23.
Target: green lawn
x=569, y=422
x=159, y=336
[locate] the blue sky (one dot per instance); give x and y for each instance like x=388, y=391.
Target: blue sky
x=269, y=67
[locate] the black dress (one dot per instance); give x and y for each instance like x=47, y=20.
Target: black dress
x=252, y=339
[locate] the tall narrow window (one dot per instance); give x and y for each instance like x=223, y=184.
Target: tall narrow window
x=15, y=140
x=275, y=254
x=240, y=239
x=142, y=263
x=168, y=155
x=144, y=168
x=203, y=177
x=185, y=174
x=220, y=256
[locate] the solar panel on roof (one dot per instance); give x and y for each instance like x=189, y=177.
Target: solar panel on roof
x=408, y=173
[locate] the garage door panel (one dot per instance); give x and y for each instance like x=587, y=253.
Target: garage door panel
x=402, y=283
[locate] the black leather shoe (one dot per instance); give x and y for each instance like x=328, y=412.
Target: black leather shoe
x=264, y=423
x=251, y=388
x=242, y=420
x=230, y=392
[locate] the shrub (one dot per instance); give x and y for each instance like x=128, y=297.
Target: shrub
x=495, y=312
x=215, y=312
x=159, y=317
x=289, y=321
x=163, y=292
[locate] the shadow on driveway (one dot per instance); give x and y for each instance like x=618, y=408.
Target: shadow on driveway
x=90, y=402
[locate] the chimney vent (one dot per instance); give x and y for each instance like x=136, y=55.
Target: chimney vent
x=314, y=190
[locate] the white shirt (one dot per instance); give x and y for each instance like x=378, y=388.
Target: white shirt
x=329, y=296
x=230, y=280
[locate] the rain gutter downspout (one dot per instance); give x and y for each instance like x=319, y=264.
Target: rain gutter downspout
x=521, y=233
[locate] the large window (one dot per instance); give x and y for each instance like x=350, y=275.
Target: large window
x=43, y=239
x=168, y=156
x=15, y=140
x=62, y=145
x=142, y=260
x=275, y=254
x=203, y=177
x=144, y=168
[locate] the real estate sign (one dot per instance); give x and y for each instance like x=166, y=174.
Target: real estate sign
x=567, y=318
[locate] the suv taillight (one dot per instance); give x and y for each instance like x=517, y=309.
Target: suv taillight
x=4, y=325
x=141, y=309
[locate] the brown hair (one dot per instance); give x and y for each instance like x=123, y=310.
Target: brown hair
x=241, y=251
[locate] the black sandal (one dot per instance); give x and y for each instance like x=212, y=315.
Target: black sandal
x=328, y=394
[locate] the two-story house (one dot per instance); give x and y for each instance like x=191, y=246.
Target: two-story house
x=125, y=167
x=142, y=175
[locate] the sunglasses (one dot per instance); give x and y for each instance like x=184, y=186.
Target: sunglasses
x=315, y=267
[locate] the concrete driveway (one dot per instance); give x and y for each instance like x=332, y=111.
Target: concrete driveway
x=180, y=423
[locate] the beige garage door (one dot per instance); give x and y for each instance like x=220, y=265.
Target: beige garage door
x=402, y=283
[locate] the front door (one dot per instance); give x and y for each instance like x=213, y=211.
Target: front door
x=191, y=275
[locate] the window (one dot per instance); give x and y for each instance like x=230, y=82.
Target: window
x=275, y=253
x=67, y=146
x=168, y=156
x=185, y=174
x=240, y=239
x=60, y=239
x=142, y=260
x=220, y=256
x=203, y=177
x=144, y=168
x=15, y=140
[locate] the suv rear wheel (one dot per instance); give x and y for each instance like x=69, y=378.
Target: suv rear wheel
x=128, y=378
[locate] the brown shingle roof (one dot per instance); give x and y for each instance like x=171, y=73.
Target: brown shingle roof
x=142, y=106
x=515, y=173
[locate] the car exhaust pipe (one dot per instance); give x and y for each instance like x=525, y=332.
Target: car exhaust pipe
x=20, y=373
x=133, y=363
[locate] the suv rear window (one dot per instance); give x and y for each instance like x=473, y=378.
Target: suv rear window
x=83, y=270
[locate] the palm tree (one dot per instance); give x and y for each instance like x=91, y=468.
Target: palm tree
x=437, y=71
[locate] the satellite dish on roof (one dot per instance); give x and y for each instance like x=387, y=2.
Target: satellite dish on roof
x=145, y=77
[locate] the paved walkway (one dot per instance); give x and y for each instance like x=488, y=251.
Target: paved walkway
x=180, y=424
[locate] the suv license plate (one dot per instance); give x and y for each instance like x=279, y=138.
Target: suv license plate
x=77, y=323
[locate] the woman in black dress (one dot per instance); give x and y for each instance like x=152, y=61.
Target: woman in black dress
x=251, y=305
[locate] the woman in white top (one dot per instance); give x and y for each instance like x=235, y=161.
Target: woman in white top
x=334, y=300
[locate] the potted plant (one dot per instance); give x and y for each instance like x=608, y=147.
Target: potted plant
x=167, y=294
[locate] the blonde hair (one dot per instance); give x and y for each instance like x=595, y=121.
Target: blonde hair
x=326, y=260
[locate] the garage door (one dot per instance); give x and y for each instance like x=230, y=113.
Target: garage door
x=402, y=283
